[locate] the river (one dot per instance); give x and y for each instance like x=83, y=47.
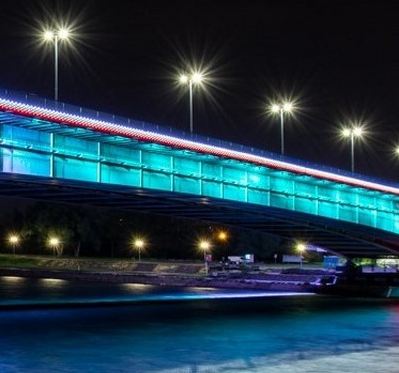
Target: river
x=68, y=327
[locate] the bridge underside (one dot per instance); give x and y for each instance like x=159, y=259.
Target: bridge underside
x=347, y=239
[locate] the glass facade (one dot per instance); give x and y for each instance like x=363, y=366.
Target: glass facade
x=87, y=156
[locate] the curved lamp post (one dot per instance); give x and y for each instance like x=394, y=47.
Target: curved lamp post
x=56, y=36
x=352, y=133
x=191, y=79
x=282, y=109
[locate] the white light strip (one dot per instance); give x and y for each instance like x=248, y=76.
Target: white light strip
x=19, y=108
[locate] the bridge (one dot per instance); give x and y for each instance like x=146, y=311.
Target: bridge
x=57, y=152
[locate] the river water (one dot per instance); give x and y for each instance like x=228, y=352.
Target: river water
x=65, y=326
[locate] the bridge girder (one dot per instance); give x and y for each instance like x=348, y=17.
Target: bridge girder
x=346, y=239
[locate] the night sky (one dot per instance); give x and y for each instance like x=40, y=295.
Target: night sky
x=338, y=60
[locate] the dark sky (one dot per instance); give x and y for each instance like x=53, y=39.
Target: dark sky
x=338, y=60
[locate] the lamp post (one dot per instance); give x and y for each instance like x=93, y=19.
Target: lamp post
x=352, y=133
x=191, y=79
x=281, y=109
x=205, y=246
x=55, y=37
x=301, y=247
x=54, y=242
x=139, y=245
x=13, y=239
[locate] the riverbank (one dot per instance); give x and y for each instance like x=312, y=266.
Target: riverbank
x=161, y=274
x=299, y=283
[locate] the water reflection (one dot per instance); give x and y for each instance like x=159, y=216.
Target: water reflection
x=248, y=334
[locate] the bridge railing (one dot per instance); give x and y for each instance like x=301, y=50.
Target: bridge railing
x=34, y=99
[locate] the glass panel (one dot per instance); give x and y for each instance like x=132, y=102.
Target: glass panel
x=305, y=205
x=211, y=189
x=157, y=161
x=366, y=217
x=186, y=185
x=258, y=196
x=186, y=166
x=25, y=136
x=70, y=145
x=234, y=192
x=327, y=193
x=234, y=175
x=328, y=209
x=281, y=185
x=156, y=180
x=258, y=180
x=25, y=162
x=120, y=154
x=281, y=200
x=385, y=221
x=347, y=197
x=211, y=170
x=384, y=204
x=347, y=213
x=120, y=175
x=305, y=189
x=76, y=169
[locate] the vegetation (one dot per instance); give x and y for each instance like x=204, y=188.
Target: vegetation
x=69, y=230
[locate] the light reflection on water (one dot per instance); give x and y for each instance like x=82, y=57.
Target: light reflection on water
x=295, y=334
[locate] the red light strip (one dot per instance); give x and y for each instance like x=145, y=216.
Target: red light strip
x=26, y=110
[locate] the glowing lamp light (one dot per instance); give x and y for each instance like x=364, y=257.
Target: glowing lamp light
x=195, y=78
x=301, y=247
x=222, y=236
x=275, y=108
x=48, y=35
x=183, y=79
x=54, y=241
x=13, y=240
x=204, y=245
x=139, y=244
x=63, y=33
x=352, y=133
x=286, y=107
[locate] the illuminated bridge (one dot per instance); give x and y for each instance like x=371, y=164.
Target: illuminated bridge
x=55, y=152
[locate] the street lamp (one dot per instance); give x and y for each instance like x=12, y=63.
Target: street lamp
x=352, y=133
x=54, y=242
x=139, y=245
x=205, y=246
x=301, y=247
x=56, y=36
x=191, y=79
x=281, y=109
x=13, y=240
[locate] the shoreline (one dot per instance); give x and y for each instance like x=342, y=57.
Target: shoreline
x=247, y=282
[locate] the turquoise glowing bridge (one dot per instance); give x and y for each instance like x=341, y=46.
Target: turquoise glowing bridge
x=53, y=151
